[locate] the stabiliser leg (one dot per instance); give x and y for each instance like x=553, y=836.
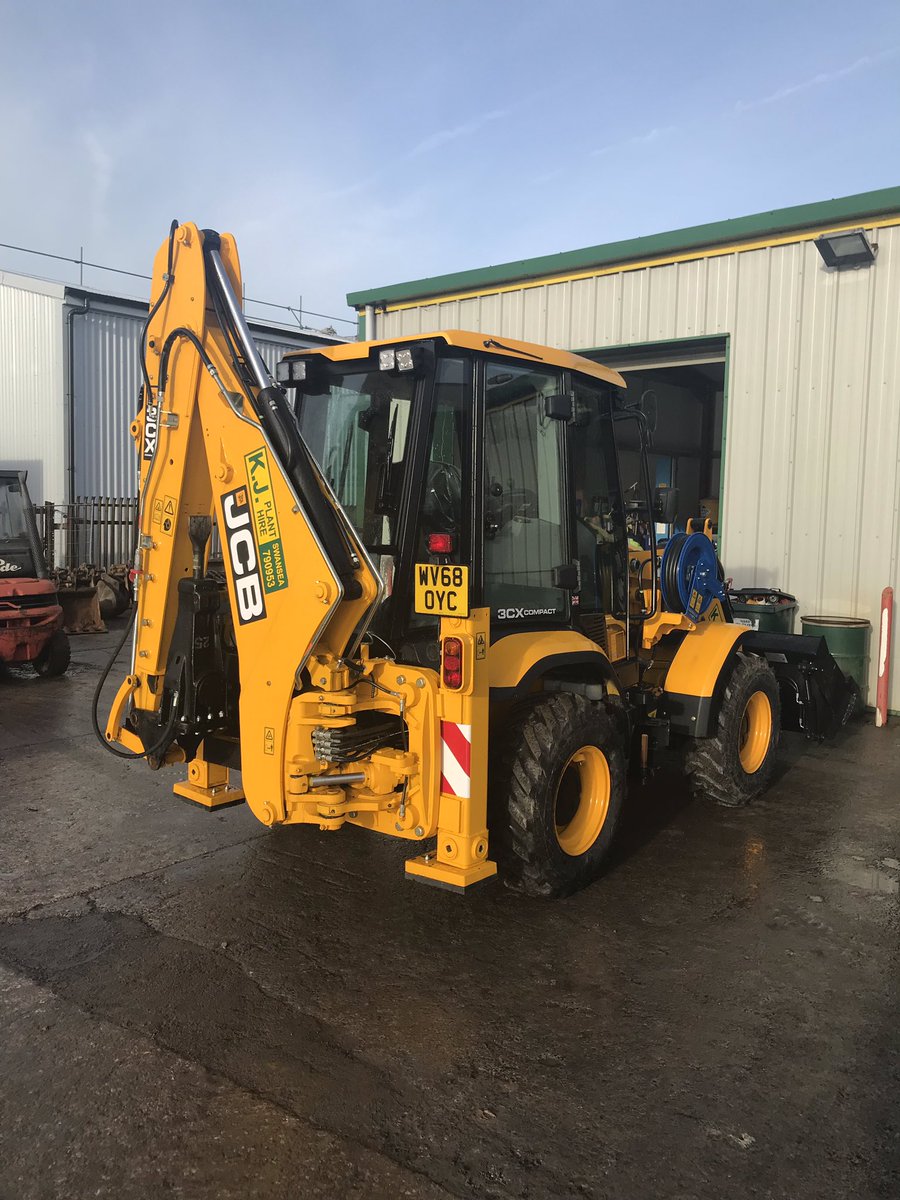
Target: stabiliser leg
x=207, y=784
x=460, y=859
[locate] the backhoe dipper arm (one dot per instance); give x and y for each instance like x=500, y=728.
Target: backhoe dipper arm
x=215, y=436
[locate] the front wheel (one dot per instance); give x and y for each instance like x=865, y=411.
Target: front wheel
x=735, y=765
x=559, y=788
x=54, y=658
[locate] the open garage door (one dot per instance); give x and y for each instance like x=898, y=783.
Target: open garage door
x=681, y=388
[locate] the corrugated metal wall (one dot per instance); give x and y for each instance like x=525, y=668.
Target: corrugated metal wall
x=32, y=395
x=106, y=376
x=812, y=427
x=273, y=348
x=106, y=369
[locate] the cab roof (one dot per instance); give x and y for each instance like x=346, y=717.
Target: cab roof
x=466, y=340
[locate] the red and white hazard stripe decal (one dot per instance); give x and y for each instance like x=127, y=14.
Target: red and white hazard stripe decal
x=456, y=758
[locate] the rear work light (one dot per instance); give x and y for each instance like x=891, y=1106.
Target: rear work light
x=290, y=371
x=451, y=663
x=439, y=543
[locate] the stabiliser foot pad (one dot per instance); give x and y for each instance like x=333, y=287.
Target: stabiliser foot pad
x=210, y=798
x=443, y=875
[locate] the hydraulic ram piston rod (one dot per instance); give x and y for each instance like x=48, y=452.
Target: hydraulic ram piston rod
x=252, y=356
x=316, y=781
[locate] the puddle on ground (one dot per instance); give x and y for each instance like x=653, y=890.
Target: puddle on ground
x=860, y=875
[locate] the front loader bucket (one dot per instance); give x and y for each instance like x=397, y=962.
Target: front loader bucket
x=816, y=696
x=81, y=610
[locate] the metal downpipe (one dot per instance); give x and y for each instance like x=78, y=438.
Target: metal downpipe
x=70, y=397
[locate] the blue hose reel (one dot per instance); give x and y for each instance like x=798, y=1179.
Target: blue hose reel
x=689, y=575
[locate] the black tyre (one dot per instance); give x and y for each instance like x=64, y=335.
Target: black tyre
x=735, y=765
x=54, y=658
x=557, y=794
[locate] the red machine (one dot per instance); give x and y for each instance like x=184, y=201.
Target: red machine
x=31, y=619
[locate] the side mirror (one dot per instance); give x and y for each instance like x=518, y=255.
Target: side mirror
x=665, y=505
x=558, y=407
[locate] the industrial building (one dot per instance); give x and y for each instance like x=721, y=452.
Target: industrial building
x=69, y=378
x=766, y=352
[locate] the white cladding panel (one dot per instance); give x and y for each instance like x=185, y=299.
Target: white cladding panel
x=812, y=425
x=32, y=394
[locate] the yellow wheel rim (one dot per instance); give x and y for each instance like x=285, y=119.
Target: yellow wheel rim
x=756, y=732
x=582, y=800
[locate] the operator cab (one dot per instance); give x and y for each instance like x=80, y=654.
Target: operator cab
x=18, y=532
x=494, y=459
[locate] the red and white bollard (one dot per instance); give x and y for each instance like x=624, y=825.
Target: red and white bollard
x=884, y=656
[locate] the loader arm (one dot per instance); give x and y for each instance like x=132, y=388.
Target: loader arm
x=216, y=439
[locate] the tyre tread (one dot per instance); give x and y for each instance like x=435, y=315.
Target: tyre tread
x=523, y=766
x=712, y=763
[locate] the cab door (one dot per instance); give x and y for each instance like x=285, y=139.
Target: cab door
x=440, y=518
x=600, y=539
x=525, y=527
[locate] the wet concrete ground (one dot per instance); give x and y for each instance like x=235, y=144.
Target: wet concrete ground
x=191, y=1006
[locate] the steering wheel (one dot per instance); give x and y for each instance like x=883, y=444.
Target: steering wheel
x=443, y=497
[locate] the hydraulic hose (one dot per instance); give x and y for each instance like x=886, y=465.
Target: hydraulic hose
x=166, y=735
x=170, y=278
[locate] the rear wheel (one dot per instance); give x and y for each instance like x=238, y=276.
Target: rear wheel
x=735, y=765
x=559, y=788
x=54, y=658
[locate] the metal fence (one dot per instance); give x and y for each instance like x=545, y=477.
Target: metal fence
x=94, y=530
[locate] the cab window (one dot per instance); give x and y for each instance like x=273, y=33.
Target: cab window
x=599, y=515
x=524, y=520
x=446, y=504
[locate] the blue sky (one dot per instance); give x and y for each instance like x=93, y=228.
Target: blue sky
x=351, y=144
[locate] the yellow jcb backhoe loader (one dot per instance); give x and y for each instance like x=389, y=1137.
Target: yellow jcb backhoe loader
x=439, y=614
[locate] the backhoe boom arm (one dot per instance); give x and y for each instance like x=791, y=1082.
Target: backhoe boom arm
x=216, y=439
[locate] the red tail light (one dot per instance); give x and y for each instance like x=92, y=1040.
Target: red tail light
x=439, y=543
x=451, y=663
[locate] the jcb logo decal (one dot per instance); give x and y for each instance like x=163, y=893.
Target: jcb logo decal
x=151, y=429
x=242, y=554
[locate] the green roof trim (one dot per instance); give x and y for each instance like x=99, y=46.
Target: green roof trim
x=676, y=241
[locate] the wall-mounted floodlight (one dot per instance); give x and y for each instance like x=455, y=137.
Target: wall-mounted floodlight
x=850, y=248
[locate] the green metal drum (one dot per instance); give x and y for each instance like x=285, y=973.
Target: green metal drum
x=848, y=640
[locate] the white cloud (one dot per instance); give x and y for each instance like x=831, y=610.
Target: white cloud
x=639, y=139
x=820, y=80
x=442, y=136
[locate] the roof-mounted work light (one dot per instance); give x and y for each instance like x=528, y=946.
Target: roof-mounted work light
x=399, y=358
x=849, y=248
x=307, y=373
x=290, y=371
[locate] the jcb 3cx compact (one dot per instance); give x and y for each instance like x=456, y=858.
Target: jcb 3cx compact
x=442, y=615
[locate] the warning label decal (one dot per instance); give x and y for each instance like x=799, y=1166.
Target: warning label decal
x=168, y=514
